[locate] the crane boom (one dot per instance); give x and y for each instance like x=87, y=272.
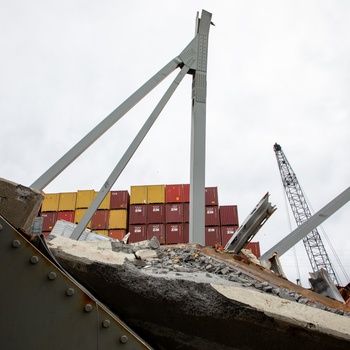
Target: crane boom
x=315, y=249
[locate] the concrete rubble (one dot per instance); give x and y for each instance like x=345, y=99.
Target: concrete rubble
x=190, y=297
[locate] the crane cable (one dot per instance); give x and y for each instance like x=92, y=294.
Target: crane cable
x=330, y=244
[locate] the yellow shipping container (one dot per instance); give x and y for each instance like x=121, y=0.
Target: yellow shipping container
x=106, y=203
x=51, y=201
x=85, y=198
x=156, y=194
x=118, y=218
x=102, y=232
x=67, y=201
x=138, y=194
x=79, y=213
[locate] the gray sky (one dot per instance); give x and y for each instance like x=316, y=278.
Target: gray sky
x=277, y=72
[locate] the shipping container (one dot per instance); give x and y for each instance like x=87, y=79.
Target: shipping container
x=186, y=193
x=49, y=220
x=119, y=200
x=106, y=203
x=174, y=233
x=66, y=215
x=138, y=195
x=100, y=220
x=137, y=233
x=138, y=214
x=212, y=216
x=228, y=215
x=102, y=232
x=67, y=201
x=211, y=196
x=118, y=219
x=156, y=213
x=254, y=247
x=155, y=194
x=174, y=212
x=85, y=198
x=212, y=235
x=227, y=232
x=157, y=230
x=174, y=193
x=51, y=202
x=186, y=227
x=186, y=212
x=78, y=215
x=117, y=234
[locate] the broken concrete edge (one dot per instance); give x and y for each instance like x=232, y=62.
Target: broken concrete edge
x=265, y=275
x=285, y=310
x=19, y=204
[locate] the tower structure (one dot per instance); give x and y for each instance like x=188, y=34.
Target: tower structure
x=315, y=249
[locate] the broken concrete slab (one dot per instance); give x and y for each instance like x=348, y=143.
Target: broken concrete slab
x=173, y=302
x=19, y=204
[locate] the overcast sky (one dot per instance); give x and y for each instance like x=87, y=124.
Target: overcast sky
x=278, y=71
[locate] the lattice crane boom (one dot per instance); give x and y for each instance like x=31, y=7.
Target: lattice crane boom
x=315, y=249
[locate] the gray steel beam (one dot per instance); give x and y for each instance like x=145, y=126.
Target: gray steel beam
x=103, y=126
x=127, y=155
x=43, y=307
x=198, y=129
x=315, y=220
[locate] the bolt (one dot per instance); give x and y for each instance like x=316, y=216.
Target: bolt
x=52, y=275
x=70, y=292
x=106, y=323
x=124, y=339
x=87, y=308
x=16, y=243
x=34, y=259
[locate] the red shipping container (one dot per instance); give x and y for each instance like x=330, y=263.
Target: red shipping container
x=212, y=235
x=119, y=200
x=174, y=212
x=138, y=214
x=117, y=234
x=186, y=227
x=226, y=233
x=174, y=233
x=156, y=213
x=173, y=193
x=66, y=215
x=254, y=247
x=49, y=220
x=157, y=230
x=228, y=215
x=212, y=216
x=137, y=233
x=211, y=196
x=100, y=220
x=186, y=212
x=186, y=191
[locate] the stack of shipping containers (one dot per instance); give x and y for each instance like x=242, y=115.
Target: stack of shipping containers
x=150, y=210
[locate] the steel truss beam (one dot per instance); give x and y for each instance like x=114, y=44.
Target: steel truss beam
x=192, y=60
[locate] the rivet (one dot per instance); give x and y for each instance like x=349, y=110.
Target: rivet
x=0, y=227
x=87, y=308
x=34, y=259
x=124, y=339
x=16, y=243
x=52, y=275
x=106, y=323
x=70, y=292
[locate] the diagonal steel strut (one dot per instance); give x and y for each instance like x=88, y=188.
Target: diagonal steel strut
x=192, y=60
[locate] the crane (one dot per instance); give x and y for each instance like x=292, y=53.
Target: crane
x=315, y=249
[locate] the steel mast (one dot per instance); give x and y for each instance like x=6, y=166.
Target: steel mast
x=313, y=243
